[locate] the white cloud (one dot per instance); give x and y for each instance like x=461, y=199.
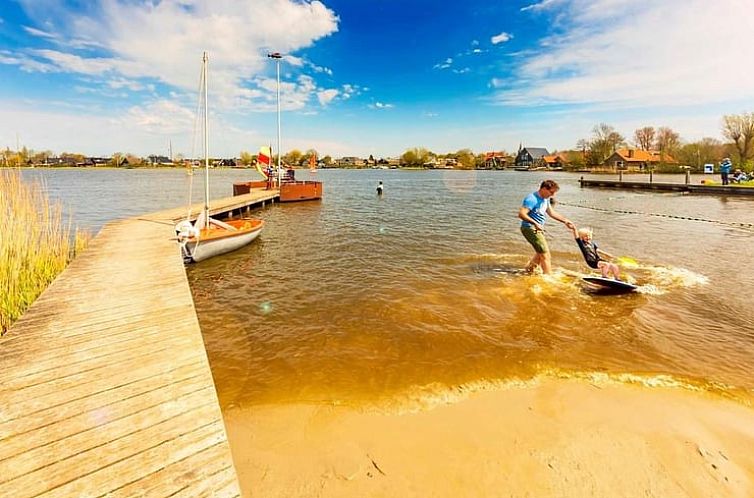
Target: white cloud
x=445, y=64
x=327, y=96
x=501, y=38
x=39, y=33
x=25, y=63
x=623, y=53
x=544, y=4
x=163, y=41
x=161, y=116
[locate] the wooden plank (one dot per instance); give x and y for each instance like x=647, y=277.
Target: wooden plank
x=198, y=474
x=89, y=386
x=106, y=383
x=95, y=434
x=170, y=439
x=154, y=392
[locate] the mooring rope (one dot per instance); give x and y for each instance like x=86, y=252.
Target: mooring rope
x=660, y=215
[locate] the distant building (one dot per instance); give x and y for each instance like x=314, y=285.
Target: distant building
x=350, y=161
x=555, y=160
x=160, y=160
x=636, y=159
x=529, y=157
x=495, y=160
x=230, y=163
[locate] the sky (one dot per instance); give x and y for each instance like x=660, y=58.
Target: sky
x=367, y=77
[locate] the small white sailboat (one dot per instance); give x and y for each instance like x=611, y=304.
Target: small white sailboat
x=209, y=237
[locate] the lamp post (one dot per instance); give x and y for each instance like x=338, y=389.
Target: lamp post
x=276, y=56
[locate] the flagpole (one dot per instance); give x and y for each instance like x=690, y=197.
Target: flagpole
x=277, y=57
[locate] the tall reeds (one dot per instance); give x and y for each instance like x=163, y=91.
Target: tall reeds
x=36, y=244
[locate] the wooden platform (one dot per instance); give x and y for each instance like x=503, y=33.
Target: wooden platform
x=669, y=187
x=105, y=386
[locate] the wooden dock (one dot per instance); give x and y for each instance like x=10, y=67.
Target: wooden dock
x=669, y=187
x=105, y=384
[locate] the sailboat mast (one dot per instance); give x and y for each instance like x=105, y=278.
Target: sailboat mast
x=205, y=62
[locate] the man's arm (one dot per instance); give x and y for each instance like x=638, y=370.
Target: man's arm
x=523, y=213
x=559, y=217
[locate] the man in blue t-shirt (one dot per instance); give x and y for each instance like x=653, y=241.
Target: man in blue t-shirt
x=533, y=213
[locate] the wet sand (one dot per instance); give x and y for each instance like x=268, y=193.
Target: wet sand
x=552, y=438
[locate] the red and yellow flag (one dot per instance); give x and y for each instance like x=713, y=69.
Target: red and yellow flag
x=265, y=154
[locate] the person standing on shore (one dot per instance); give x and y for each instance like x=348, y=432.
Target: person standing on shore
x=533, y=214
x=725, y=170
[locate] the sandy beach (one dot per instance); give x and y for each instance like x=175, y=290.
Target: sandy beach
x=550, y=438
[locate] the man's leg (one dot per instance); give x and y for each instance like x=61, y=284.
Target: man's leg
x=545, y=262
x=533, y=263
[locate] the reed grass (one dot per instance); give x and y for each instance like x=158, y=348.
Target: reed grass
x=36, y=244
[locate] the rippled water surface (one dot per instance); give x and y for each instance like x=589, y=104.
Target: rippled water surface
x=387, y=300
x=366, y=299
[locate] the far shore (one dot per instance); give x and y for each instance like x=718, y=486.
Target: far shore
x=404, y=168
x=553, y=438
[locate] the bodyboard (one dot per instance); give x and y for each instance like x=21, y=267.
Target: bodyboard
x=609, y=283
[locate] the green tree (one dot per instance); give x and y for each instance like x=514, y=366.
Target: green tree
x=247, y=158
x=465, y=159
x=41, y=157
x=293, y=157
x=697, y=154
x=415, y=157
x=739, y=128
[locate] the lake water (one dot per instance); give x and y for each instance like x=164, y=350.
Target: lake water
x=404, y=300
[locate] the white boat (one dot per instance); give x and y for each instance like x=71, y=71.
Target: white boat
x=209, y=237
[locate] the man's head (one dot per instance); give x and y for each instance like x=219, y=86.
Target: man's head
x=548, y=188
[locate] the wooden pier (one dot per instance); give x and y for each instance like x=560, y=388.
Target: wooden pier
x=105, y=386
x=669, y=187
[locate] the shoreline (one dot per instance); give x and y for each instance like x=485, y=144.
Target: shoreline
x=553, y=437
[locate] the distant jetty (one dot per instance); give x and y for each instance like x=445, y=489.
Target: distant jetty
x=669, y=187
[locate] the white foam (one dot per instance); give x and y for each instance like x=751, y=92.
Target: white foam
x=676, y=277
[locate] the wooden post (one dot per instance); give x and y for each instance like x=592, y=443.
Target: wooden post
x=620, y=175
x=688, y=177
x=581, y=182
x=650, y=176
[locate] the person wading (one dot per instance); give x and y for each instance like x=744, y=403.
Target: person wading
x=533, y=214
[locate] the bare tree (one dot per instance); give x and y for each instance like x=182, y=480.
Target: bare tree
x=645, y=137
x=605, y=141
x=740, y=129
x=668, y=142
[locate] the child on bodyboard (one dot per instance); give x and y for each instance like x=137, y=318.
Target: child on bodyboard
x=595, y=257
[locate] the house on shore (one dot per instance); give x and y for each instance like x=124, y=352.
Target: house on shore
x=495, y=160
x=350, y=162
x=555, y=161
x=636, y=160
x=530, y=157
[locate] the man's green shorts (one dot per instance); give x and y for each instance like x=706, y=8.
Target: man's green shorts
x=536, y=239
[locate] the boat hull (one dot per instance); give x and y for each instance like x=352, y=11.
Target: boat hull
x=216, y=241
x=300, y=191
x=246, y=187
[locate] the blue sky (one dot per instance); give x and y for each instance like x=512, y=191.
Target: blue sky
x=367, y=77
